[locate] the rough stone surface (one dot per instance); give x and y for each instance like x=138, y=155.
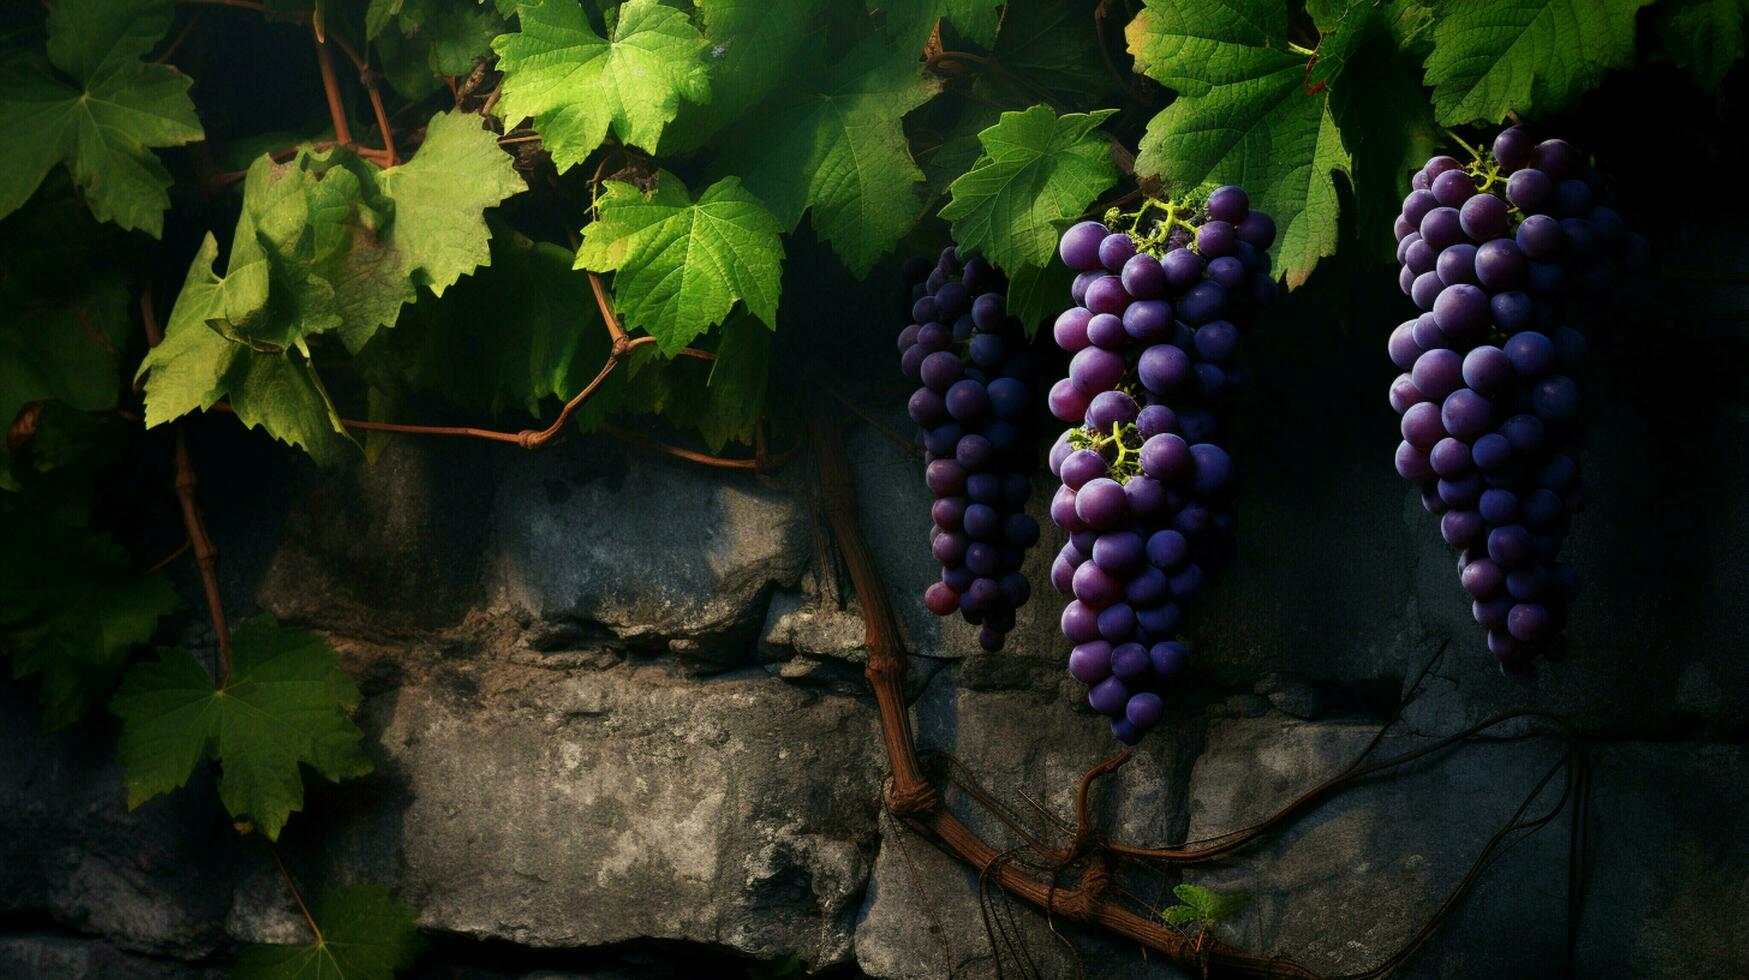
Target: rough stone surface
x=811, y=624
x=151, y=880
x=1349, y=883
x=391, y=545
x=922, y=915
x=650, y=547
x=559, y=809
x=42, y=956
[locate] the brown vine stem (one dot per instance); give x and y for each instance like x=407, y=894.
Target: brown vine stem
x=331, y=89
x=297, y=895
x=206, y=556
x=913, y=799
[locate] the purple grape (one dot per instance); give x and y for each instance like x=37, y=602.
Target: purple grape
x=1115, y=250
x=1067, y=402
x=1094, y=370
x=1106, y=295
x=1512, y=148
x=1501, y=265
x=1163, y=369
x=1442, y=228
x=1216, y=238
x=1461, y=312
x=1106, y=331
x=1143, y=277
x=1148, y=321
x=1438, y=373
x=1415, y=208
x=1483, y=217
x=1109, y=696
x=1452, y=188
x=1202, y=302
x=1229, y=203
x=1530, y=190
x=1090, y=662
x=1539, y=236
x=1079, y=248
x=1257, y=230
x=1101, y=503
x=1110, y=408
x=1070, y=329
x=1457, y=264
x=1167, y=458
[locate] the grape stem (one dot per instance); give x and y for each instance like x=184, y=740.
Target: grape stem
x=206, y=556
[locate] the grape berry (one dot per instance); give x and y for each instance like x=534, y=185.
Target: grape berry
x=974, y=408
x=1145, y=488
x=1498, y=254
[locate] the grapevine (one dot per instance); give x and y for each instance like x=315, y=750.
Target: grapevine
x=335, y=223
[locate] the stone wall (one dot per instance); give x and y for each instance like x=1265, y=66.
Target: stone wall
x=617, y=709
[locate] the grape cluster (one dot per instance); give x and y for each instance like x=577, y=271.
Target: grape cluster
x=1145, y=487
x=1500, y=254
x=974, y=408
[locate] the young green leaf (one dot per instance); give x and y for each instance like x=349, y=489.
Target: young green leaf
x=71, y=609
x=441, y=195
x=1038, y=172
x=1492, y=56
x=574, y=85
x=285, y=705
x=195, y=366
x=1203, y=906
x=95, y=106
x=366, y=935
x=1704, y=36
x=679, y=264
x=735, y=394
x=840, y=150
x=1244, y=115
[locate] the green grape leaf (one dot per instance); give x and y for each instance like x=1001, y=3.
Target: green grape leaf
x=1382, y=112
x=450, y=37
x=755, y=47
x=1035, y=293
x=841, y=151
x=575, y=86
x=1053, y=46
x=735, y=394
x=195, y=366
x=1243, y=115
x=285, y=706
x=1493, y=56
x=681, y=264
x=911, y=21
x=546, y=340
x=440, y=197
x=1039, y=172
x=71, y=609
x=67, y=353
x=1706, y=37
x=366, y=935
x=94, y=106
